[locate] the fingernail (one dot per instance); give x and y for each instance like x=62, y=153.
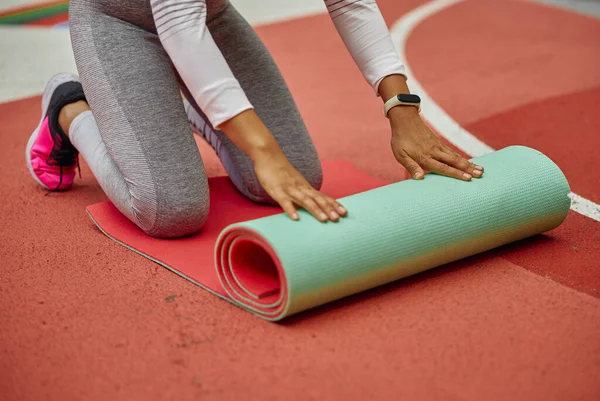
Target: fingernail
x=477, y=173
x=478, y=167
x=295, y=216
x=342, y=210
x=467, y=176
x=323, y=216
x=334, y=215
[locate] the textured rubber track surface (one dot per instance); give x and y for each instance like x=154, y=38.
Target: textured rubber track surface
x=82, y=317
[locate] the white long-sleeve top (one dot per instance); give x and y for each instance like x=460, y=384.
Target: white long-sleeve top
x=181, y=26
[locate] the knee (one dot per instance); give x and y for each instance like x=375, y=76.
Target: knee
x=309, y=168
x=312, y=171
x=304, y=157
x=179, y=219
x=308, y=164
x=175, y=213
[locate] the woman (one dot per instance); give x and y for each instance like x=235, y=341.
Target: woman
x=127, y=119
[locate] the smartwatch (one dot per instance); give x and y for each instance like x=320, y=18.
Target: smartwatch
x=403, y=99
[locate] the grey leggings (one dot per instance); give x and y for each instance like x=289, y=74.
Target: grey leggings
x=145, y=157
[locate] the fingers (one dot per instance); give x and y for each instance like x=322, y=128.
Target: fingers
x=453, y=159
x=444, y=162
x=444, y=169
x=333, y=209
x=413, y=167
x=288, y=207
x=311, y=206
x=321, y=206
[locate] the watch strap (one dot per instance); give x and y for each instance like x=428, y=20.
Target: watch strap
x=402, y=99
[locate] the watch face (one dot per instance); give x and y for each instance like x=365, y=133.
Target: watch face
x=409, y=98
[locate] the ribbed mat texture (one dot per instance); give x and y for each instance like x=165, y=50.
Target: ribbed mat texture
x=391, y=232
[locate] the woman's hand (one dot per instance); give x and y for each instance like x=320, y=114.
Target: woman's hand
x=275, y=173
x=290, y=189
x=418, y=149
x=413, y=143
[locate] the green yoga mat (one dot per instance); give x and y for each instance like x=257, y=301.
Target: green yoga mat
x=275, y=267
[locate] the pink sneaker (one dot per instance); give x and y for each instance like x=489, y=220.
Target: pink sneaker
x=51, y=158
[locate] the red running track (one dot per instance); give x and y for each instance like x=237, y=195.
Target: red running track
x=83, y=318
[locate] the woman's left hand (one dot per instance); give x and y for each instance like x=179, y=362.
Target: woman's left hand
x=418, y=149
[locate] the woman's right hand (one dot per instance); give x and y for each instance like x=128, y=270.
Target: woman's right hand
x=290, y=189
x=275, y=173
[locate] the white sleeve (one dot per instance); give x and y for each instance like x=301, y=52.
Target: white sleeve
x=364, y=32
x=181, y=26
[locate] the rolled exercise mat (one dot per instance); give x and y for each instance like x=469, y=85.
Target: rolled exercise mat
x=275, y=267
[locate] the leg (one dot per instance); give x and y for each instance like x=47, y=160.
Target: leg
x=266, y=89
x=138, y=142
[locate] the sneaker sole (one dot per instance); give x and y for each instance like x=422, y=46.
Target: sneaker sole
x=51, y=86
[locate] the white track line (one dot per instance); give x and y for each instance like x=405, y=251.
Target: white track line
x=439, y=120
